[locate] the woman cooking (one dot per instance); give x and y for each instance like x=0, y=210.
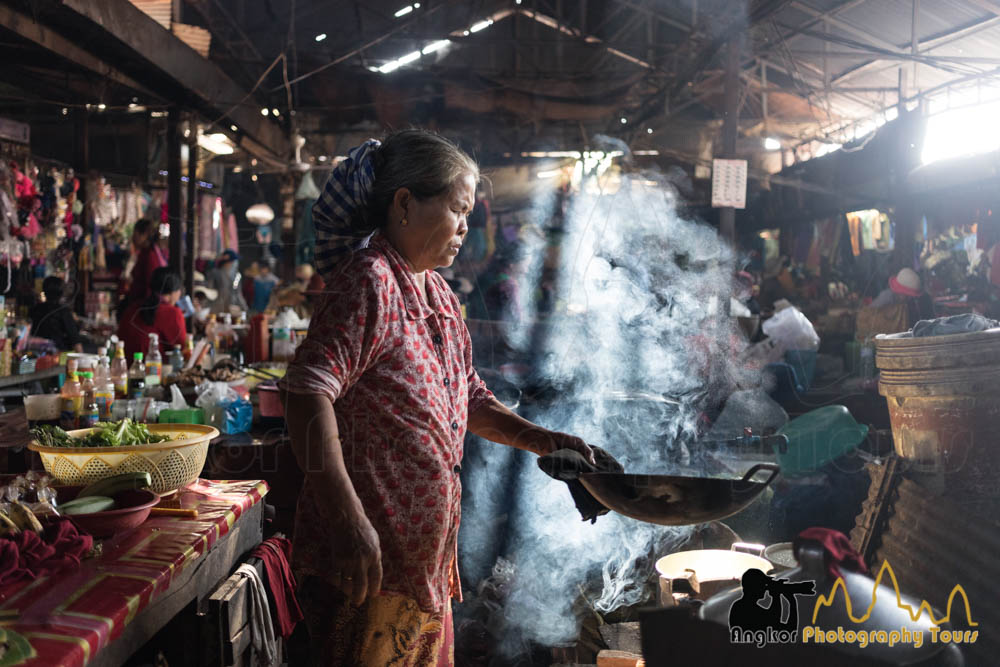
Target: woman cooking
x=378, y=400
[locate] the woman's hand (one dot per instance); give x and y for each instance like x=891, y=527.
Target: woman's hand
x=552, y=441
x=357, y=557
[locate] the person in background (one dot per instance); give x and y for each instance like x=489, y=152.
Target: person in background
x=308, y=279
x=158, y=313
x=54, y=320
x=263, y=285
x=906, y=288
x=202, y=301
x=311, y=285
x=249, y=274
x=148, y=258
x=897, y=308
x=225, y=279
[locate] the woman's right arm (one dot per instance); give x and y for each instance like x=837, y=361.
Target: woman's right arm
x=312, y=425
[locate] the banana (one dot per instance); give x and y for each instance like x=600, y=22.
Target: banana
x=24, y=517
x=7, y=527
x=109, y=486
x=87, y=505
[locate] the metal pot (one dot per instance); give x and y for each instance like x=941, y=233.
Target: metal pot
x=781, y=556
x=702, y=573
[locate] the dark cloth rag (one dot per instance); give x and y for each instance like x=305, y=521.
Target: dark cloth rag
x=567, y=465
x=956, y=324
x=276, y=553
x=28, y=554
x=838, y=550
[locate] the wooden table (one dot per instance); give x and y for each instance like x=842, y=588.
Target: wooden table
x=101, y=613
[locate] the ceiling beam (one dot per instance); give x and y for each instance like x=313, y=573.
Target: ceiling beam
x=919, y=57
x=925, y=46
x=581, y=36
x=117, y=29
x=798, y=30
x=33, y=31
x=659, y=16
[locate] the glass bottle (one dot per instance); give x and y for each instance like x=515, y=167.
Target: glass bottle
x=119, y=372
x=137, y=377
x=72, y=400
x=88, y=411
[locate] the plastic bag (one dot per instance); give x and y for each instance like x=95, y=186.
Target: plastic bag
x=224, y=408
x=791, y=330
x=214, y=393
x=177, y=401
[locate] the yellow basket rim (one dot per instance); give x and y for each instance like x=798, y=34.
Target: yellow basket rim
x=208, y=433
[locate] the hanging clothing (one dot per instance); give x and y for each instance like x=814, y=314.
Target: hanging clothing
x=867, y=230
x=854, y=225
x=275, y=552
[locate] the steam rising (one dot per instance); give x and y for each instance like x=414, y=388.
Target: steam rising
x=643, y=293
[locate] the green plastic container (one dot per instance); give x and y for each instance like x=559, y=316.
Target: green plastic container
x=818, y=437
x=187, y=416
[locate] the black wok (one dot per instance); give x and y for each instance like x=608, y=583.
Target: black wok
x=673, y=500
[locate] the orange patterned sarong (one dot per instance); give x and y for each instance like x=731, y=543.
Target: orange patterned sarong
x=389, y=630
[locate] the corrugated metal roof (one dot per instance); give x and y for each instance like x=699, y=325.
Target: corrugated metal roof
x=887, y=24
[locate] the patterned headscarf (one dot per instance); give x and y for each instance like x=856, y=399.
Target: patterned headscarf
x=339, y=214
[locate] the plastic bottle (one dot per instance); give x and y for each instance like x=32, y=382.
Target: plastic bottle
x=137, y=377
x=72, y=401
x=176, y=360
x=102, y=372
x=104, y=394
x=282, y=347
x=154, y=361
x=88, y=411
x=188, y=349
x=119, y=372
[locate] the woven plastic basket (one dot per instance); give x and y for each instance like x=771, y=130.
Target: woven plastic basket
x=171, y=464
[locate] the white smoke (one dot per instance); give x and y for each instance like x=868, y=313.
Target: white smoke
x=643, y=293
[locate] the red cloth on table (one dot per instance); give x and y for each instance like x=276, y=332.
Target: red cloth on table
x=276, y=552
x=28, y=554
x=838, y=550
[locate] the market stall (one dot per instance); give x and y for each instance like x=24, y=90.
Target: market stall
x=112, y=604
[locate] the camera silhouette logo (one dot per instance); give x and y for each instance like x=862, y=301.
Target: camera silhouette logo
x=753, y=619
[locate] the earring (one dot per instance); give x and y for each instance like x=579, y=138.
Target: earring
x=403, y=222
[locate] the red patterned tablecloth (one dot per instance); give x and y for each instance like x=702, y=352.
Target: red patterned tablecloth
x=70, y=616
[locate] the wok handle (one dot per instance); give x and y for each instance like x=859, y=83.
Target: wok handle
x=773, y=467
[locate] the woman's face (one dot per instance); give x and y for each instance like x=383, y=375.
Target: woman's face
x=174, y=297
x=435, y=227
x=140, y=239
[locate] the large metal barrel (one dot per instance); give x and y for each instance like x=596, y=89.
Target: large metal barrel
x=944, y=404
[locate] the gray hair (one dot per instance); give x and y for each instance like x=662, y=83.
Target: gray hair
x=423, y=162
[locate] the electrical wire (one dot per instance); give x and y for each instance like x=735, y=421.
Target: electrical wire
x=281, y=57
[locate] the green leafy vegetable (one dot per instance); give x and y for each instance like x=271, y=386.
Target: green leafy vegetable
x=108, y=434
